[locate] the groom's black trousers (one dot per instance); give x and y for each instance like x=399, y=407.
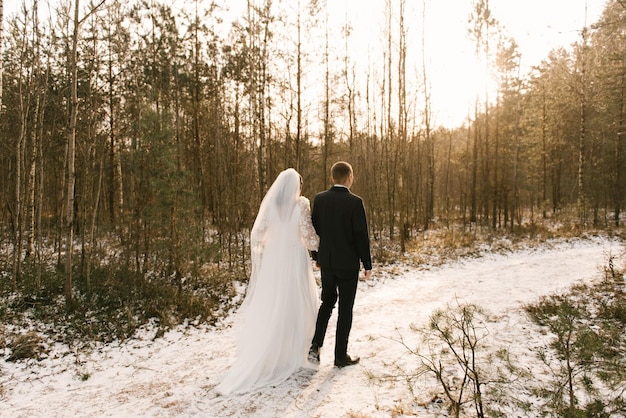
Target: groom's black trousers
x=342, y=284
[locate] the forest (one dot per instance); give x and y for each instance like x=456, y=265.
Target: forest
x=137, y=141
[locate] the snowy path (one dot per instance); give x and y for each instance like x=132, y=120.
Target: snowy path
x=174, y=375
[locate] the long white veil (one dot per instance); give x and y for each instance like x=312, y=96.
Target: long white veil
x=274, y=214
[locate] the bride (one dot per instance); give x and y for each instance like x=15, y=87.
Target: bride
x=277, y=317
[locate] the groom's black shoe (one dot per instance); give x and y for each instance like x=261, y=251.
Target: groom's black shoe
x=348, y=361
x=314, y=354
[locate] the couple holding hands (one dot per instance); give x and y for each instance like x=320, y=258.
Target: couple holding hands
x=281, y=328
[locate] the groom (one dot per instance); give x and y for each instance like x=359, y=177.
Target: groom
x=339, y=219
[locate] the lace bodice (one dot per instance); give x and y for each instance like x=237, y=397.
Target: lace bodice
x=307, y=232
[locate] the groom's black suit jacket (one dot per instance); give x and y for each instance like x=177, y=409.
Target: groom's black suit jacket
x=339, y=219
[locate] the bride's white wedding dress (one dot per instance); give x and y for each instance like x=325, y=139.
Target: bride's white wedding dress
x=277, y=318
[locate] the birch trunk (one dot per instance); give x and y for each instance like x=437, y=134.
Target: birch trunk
x=71, y=157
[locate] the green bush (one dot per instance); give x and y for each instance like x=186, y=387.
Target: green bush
x=586, y=326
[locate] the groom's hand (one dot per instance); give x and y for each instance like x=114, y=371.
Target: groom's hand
x=367, y=274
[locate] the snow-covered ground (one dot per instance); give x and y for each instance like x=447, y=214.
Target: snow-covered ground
x=174, y=376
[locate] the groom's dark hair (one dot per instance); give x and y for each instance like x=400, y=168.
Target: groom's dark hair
x=340, y=171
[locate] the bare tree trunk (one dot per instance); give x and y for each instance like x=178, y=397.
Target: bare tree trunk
x=446, y=192
x=390, y=151
x=429, y=141
x=402, y=129
x=544, y=154
x=350, y=105
x=30, y=185
x=516, y=203
x=581, y=202
x=176, y=245
x=619, y=146
x=116, y=198
x=17, y=214
x=71, y=157
x=40, y=179
x=299, y=94
x=24, y=92
x=32, y=163
x=71, y=153
x=259, y=37
x=91, y=241
x=327, y=133
x=486, y=166
x=474, y=168
x=495, y=204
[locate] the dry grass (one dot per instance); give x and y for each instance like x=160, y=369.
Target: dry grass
x=26, y=346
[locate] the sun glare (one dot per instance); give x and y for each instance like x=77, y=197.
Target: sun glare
x=456, y=77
